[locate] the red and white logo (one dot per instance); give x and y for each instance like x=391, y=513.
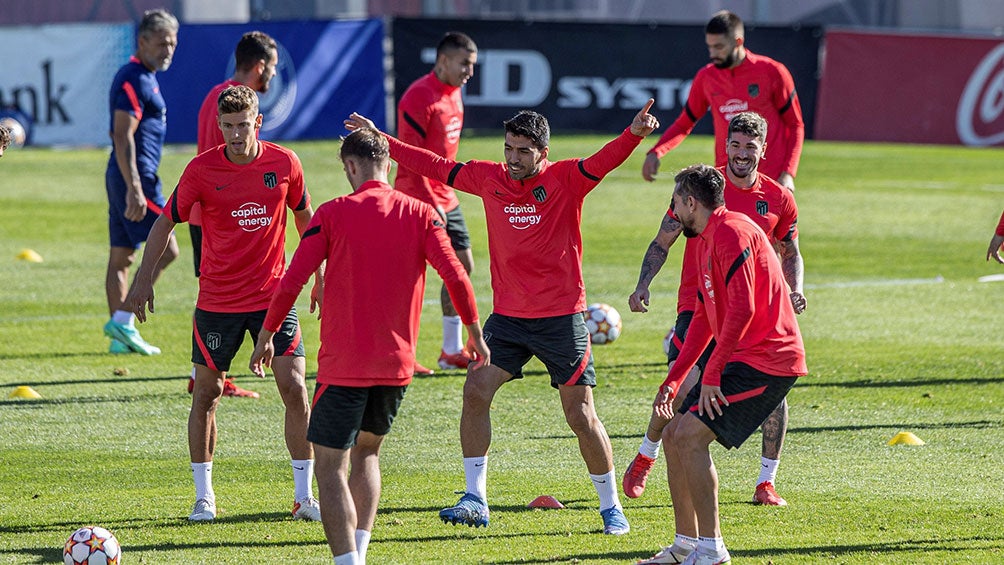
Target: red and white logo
x=252, y=216
x=979, y=120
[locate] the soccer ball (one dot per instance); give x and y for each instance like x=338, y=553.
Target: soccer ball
x=18, y=135
x=92, y=545
x=603, y=323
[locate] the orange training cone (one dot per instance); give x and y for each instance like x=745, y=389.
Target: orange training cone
x=545, y=501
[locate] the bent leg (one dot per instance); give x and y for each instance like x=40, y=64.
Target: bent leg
x=580, y=413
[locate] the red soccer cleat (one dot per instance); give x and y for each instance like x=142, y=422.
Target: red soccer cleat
x=230, y=389
x=636, y=475
x=449, y=361
x=766, y=495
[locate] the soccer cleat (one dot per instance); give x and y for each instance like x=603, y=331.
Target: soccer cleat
x=458, y=360
x=130, y=337
x=470, y=510
x=672, y=555
x=614, y=521
x=204, y=511
x=636, y=474
x=230, y=389
x=698, y=558
x=118, y=348
x=766, y=495
x=307, y=509
x=422, y=371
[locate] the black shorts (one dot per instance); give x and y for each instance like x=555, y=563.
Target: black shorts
x=217, y=336
x=680, y=335
x=560, y=342
x=339, y=413
x=456, y=228
x=752, y=396
x=196, y=233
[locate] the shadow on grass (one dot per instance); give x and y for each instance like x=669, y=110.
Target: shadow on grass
x=977, y=424
x=808, y=382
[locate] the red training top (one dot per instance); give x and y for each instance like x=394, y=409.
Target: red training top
x=743, y=303
x=759, y=84
x=430, y=115
x=535, y=246
x=244, y=223
x=376, y=242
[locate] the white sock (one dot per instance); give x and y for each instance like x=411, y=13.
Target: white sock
x=650, y=448
x=203, y=475
x=362, y=544
x=606, y=487
x=123, y=317
x=711, y=546
x=476, y=472
x=683, y=541
x=453, y=338
x=768, y=470
x=349, y=558
x=303, y=472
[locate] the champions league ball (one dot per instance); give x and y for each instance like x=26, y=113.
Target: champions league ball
x=603, y=323
x=92, y=545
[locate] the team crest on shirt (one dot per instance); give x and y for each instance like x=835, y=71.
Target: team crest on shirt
x=754, y=90
x=270, y=179
x=762, y=207
x=540, y=193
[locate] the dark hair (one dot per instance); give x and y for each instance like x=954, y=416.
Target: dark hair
x=749, y=123
x=725, y=23
x=454, y=40
x=238, y=98
x=254, y=46
x=531, y=125
x=157, y=20
x=704, y=182
x=365, y=143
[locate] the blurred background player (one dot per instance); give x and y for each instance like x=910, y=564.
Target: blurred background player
x=256, y=57
x=994, y=250
x=772, y=207
x=737, y=80
x=430, y=115
x=244, y=188
x=138, y=126
x=362, y=375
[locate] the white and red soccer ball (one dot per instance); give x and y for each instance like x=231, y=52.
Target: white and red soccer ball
x=603, y=323
x=92, y=545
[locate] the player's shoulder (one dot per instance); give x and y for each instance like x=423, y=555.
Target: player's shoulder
x=279, y=152
x=423, y=88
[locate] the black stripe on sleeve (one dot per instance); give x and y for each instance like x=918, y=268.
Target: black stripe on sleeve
x=737, y=263
x=175, y=216
x=303, y=203
x=586, y=174
x=312, y=231
x=411, y=122
x=686, y=108
x=454, y=173
x=787, y=105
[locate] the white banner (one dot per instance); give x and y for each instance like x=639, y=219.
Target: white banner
x=59, y=76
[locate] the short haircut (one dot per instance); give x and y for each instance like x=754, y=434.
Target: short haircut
x=704, y=182
x=237, y=98
x=531, y=125
x=4, y=137
x=254, y=46
x=454, y=40
x=365, y=143
x=725, y=23
x=749, y=123
x=157, y=20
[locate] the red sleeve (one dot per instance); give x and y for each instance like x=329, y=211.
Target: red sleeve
x=422, y=161
x=733, y=255
x=697, y=340
x=440, y=254
x=609, y=157
x=412, y=126
x=791, y=116
x=297, y=198
x=309, y=255
x=697, y=105
x=787, y=221
x=1000, y=226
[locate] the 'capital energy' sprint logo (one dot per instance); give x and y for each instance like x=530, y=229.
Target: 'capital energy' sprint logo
x=522, y=216
x=252, y=216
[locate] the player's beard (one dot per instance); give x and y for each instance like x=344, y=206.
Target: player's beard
x=726, y=62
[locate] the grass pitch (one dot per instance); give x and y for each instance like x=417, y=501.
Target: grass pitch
x=900, y=336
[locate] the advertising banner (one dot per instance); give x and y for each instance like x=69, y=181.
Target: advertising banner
x=589, y=76
x=912, y=88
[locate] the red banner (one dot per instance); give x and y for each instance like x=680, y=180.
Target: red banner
x=911, y=88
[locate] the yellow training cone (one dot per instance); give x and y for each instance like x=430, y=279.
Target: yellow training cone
x=905, y=438
x=24, y=392
x=30, y=256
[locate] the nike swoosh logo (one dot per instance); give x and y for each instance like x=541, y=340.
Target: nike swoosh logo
x=479, y=464
x=298, y=468
x=603, y=482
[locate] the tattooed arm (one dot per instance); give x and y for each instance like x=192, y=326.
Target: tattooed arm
x=653, y=261
x=792, y=267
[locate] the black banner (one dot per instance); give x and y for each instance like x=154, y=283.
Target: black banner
x=590, y=76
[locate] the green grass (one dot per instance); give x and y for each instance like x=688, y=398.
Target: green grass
x=899, y=335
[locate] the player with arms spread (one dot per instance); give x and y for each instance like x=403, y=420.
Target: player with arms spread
x=533, y=210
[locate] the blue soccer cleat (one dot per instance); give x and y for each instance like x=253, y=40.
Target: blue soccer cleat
x=129, y=336
x=470, y=510
x=614, y=521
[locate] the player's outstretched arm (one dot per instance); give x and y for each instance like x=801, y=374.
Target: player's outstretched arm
x=643, y=122
x=357, y=121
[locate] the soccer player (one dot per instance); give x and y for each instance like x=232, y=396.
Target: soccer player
x=135, y=200
x=773, y=208
x=738, y=80
x=994, y=250
x=244, y=188
x=533, y=209
x=744, y=303
x=256, y=56
x=430, y=115
x=4, y=139
x=362, y=375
